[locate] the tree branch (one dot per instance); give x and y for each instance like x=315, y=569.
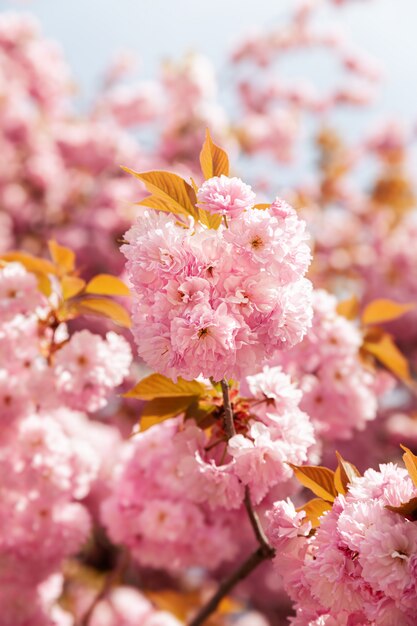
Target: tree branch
x=227, y=585
x=264, y=552
x=110, y=580
x=264, y=544
x=229, y=424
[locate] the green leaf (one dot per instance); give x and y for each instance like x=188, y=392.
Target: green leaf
x=159, y=386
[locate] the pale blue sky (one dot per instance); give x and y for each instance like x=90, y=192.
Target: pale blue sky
x=91, y=30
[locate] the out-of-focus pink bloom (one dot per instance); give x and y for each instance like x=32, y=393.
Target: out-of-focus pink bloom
x=125, y=606
x=159, y=519
x=339, y=393
x=88, y=368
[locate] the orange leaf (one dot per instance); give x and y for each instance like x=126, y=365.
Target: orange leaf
x=262, y=206
x=213, y=159
x=106, y=308
x=194, y=185
x=161, y=409
x=383, y=310
x=314, y=509
x=169, y=192
x=383, y=348
x=320, y=480
x=406, y=509
x=71, y=286
x=159, y=204
x=159, y=386
x=344, y=474
x=229, y=605
x=211, y=220
x=44, y=284
x=107, y=285
x=175, y=602
x=63, y=257
x=410, y=461
x=348, y=308
x=31, y=263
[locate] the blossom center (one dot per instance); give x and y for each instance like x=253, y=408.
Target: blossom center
x=256, y=242
x=397, y=554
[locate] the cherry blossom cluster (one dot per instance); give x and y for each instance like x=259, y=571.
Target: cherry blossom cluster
x=50, y=455
x=178, y=490
x=151, y=512
x=339, y=392
x=219, y=294
x=44, y=368
x=61, y=176
x=394, y=276
x=366, y=235
x=72, y=188
x=360, y=564
x=218, y=303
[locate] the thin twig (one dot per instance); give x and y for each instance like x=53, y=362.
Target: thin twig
x=229, y=424
x=266, y=547
x=110, y=580
x=264, y=552
x=231, y=431
x=227, y=585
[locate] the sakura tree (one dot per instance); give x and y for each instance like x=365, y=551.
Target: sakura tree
x=185, y=354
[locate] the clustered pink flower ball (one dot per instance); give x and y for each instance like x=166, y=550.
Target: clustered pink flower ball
x=224, y=195
x=361, y=564
x=218, y=303
x=278, y=433
x=50, y=455
x=273, y=433
x=340, y=394
x=178, y=491
x=152, y=513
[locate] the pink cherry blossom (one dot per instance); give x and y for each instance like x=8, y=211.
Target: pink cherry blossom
x=227, y=196
x=360, y=562
x=218, y=303
x=89, y=367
